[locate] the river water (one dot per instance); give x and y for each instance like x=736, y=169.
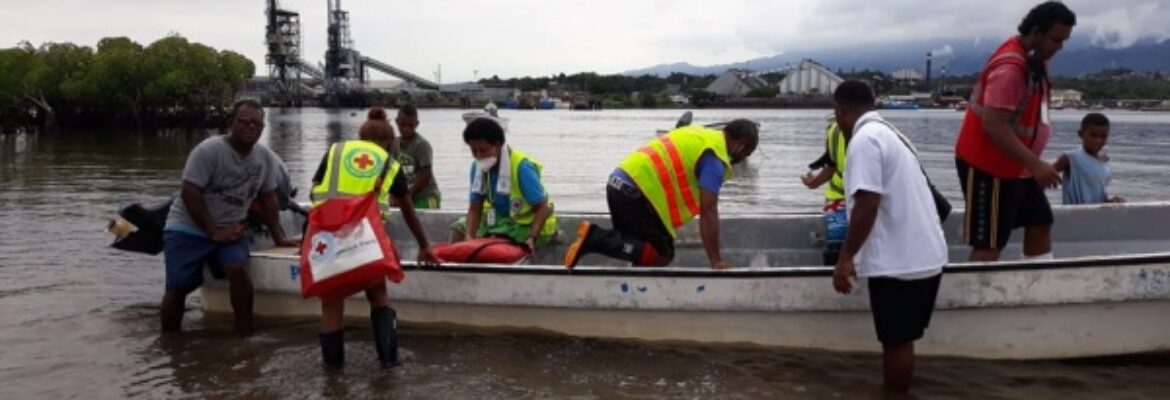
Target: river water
x=79, y=320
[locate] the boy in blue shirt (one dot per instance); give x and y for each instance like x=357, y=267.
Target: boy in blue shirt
x=1086, y=170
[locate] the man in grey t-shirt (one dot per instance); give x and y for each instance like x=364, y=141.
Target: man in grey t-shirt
x=222, y=176
x=414, y=154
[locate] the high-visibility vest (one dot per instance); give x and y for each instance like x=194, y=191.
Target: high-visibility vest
x=974, y=145
x=519, y=210
x=664, y=170
x=352, y=169
x=835, y=145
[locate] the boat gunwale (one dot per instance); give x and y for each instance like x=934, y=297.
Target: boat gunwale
x=775, y=272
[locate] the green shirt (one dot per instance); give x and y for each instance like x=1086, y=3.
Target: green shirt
x=413, y=156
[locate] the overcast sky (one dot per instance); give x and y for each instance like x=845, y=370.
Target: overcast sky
x=542, y=37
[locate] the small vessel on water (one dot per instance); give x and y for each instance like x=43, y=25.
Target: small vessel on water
x=898, y=105
x=1107, y=294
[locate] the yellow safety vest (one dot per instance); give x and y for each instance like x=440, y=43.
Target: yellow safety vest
x=664, y=170
x=520, y=211
x=835, y=145
x=356, y=172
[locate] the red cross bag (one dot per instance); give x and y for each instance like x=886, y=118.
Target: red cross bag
x=346, y=249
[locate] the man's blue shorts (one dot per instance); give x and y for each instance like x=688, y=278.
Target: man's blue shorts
x=185, y=254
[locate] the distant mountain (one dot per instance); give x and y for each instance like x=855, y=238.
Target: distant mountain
x=1080, y=56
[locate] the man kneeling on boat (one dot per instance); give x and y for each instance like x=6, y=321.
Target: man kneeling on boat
x=662, y=186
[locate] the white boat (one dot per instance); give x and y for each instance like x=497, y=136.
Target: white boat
x=1108, y=293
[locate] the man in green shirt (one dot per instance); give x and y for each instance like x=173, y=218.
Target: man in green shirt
x=414, y=154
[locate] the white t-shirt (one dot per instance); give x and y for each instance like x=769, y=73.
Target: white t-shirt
x=907, y=239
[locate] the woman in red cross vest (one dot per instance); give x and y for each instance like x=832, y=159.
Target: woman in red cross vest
x=354, y=168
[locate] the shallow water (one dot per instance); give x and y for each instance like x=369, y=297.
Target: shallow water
x=80, y=319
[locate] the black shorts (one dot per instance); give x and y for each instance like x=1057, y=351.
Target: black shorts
x=996, y=206
x=902, y=309
x=632, y=215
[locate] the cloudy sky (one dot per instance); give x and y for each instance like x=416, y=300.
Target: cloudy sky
x=542, y=37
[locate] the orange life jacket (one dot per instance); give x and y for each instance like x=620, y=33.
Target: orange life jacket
x=974, y=145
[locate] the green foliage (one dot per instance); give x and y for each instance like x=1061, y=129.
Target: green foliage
x=170, y=82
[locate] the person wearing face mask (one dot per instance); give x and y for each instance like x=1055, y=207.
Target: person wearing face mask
x=663, y=186
x=507, y=196
x=997, y=154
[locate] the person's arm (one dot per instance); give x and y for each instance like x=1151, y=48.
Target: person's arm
x=532, y=188
x=861, y=220
x=424, y=246
x=424, y=174
x=709, y=227
x=319, y=176
x=193, y=199
x=1005, y=87
x=815, y=181
x=542, y=212
x=474, y=213
x=270, y=210
x=422, y=179
x=197, y=173
x=1000, y=128
x=710, y=171
x=1061, y=163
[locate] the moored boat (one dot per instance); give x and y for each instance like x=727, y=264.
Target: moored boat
x=1108, y=293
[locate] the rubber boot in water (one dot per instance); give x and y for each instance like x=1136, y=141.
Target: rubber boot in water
x=385, y=323
x=333, y=349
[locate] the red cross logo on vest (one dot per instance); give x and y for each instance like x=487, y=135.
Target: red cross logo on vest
x=363, y=161
x=321, y=247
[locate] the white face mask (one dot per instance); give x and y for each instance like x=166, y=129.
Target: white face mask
x=484, y=164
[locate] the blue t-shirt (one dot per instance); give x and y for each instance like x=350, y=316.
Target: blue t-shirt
x=1086, y=178
x=709, y=169
x=530, y=187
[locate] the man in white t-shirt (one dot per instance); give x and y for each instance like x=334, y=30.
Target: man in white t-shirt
x=894, y=239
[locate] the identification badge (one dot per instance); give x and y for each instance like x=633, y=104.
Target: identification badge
x=491, y=218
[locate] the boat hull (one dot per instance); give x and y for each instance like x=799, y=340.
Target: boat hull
x=1109, y=296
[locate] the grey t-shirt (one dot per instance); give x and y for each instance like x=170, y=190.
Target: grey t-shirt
x=229, y=181
x=413, y=156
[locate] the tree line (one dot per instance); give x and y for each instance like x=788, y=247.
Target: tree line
x=120, y=83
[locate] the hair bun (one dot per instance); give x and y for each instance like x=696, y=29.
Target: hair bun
x=377, y=113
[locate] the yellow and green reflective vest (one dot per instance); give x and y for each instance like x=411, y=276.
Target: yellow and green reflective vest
x=520, y=211
x=664, y=170
x=835, y=145
x=355, y=172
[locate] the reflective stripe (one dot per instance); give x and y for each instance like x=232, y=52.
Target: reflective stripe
x=680, y=174
x=667, y=184
x=334, y=175
x=977, y=95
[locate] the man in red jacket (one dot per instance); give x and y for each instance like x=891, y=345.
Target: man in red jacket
x=1003, y=134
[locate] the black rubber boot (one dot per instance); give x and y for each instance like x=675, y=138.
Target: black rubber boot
x=594, y=239
x=333, y=349
x=385, y=323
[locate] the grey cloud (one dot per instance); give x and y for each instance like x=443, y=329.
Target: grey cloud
x=531, y=37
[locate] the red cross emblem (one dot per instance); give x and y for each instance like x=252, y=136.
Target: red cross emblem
x=363, y=161
x=321, y=247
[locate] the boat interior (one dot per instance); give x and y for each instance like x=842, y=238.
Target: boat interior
x=795, y=240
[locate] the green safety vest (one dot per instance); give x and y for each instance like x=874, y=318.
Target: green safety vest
x=356, y=172
x=835, y=145
x=520, y=211
x=664, y=170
